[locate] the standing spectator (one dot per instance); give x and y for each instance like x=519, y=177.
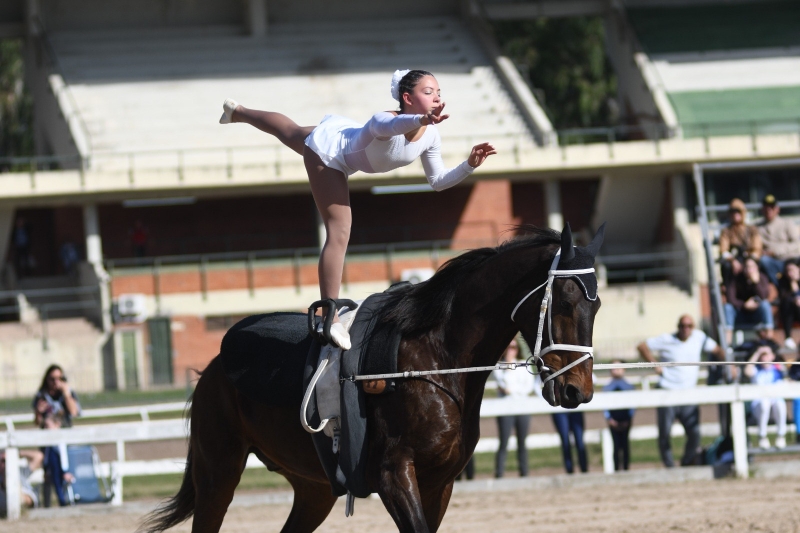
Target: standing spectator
x=22, y=248
x=686, y=345
x=139, y=239
x=54, y=406
x=762, y=370
x=780, y=237
x=789, y=297
x=737, y=242
x=29, y=497
x=513, y=384
x=55, y=396
x=748, y=298
x=69, y=256
x=571, y=422
x=619, y=421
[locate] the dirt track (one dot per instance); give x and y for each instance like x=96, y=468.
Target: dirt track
x=730, y=505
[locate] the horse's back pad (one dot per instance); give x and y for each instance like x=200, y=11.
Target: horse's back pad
x=374, y=351
x=264, y=357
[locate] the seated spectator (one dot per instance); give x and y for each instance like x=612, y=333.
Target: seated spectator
x=764, y=371
x=619, y=421
x=780, y=238
x=29, y=497
x=748, y=299
x=789, y=296
x=514, y=384
x=53, y=467
x=794, y=375
x=737, y=242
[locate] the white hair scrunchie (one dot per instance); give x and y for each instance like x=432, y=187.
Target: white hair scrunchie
x=396, y=77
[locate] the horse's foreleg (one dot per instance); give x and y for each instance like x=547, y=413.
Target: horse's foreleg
x=400, y=495
x=435, y=502
x=312, y=504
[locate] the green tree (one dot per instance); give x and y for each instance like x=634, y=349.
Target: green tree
x=566, y=63
x=16, y=104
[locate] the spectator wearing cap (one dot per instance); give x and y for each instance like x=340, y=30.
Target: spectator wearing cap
x=737, y=242
x=780, y=238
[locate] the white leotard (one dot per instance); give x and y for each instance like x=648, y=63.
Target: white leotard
x=380, y=146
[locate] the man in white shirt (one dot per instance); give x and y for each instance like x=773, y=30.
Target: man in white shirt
x=685, y=346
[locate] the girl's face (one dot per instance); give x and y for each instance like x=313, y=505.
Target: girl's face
x=793, y=272
x=752, y=268
x=425, y=97
x=767, y=356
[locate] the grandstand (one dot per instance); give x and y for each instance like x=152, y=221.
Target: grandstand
x=127, y=102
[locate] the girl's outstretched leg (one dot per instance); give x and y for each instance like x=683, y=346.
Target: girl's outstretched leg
x=277, y=124
x=332, y=197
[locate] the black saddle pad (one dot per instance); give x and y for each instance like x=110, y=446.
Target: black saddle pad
x=264, y=356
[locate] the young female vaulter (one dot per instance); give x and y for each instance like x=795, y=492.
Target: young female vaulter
x=339, y=147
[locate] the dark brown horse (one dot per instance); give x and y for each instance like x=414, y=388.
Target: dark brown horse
x=422, y=434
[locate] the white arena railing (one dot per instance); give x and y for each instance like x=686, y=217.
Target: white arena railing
x=155, y=430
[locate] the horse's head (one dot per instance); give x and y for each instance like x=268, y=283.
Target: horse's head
x=564, y=332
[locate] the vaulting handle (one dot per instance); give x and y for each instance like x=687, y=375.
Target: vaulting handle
x=333, y=305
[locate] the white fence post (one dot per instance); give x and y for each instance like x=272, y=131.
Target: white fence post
x=116, y=483
x=608, y=451
x=13, y=496
x=739, y=433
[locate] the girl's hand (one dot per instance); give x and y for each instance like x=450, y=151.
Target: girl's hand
x=435, y=116
x=479, y=154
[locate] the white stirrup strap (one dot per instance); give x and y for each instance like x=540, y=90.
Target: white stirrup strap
x=546, y=310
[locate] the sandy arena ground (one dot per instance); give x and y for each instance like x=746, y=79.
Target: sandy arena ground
x=693, y=506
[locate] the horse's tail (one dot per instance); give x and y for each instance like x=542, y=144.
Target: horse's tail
x=177, y=509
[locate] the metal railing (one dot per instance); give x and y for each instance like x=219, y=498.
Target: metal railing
x=276, y=156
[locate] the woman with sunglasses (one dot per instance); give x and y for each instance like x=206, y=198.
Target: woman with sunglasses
x=55, y=397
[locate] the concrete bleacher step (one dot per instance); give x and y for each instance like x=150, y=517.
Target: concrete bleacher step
x=129, y=102
x=639, y=312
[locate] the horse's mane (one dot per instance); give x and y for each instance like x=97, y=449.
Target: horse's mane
x=430, y=303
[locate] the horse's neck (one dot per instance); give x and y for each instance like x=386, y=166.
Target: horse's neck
x=481, y=327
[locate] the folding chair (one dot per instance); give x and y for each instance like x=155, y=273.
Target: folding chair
x=90, y=486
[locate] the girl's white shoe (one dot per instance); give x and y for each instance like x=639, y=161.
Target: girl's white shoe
x=228, y=106
x=339, y=335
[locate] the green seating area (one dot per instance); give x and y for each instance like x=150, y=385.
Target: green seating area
x=729, y=26
x=738, y=111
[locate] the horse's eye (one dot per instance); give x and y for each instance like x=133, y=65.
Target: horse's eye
x=566, y=306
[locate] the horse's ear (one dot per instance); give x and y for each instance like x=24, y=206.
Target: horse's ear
x=597, y=241
x=567, y=251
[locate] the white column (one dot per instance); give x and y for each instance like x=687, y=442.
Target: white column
x=91, y=228
x=739, y=433
x=13, y=496
x=257, y=17
x=94, y=256
x=608, y=451
x=552, y=203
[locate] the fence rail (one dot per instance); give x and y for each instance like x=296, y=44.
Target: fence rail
x=120, y=433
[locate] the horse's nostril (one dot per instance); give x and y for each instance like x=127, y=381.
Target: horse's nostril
x=571, y=392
